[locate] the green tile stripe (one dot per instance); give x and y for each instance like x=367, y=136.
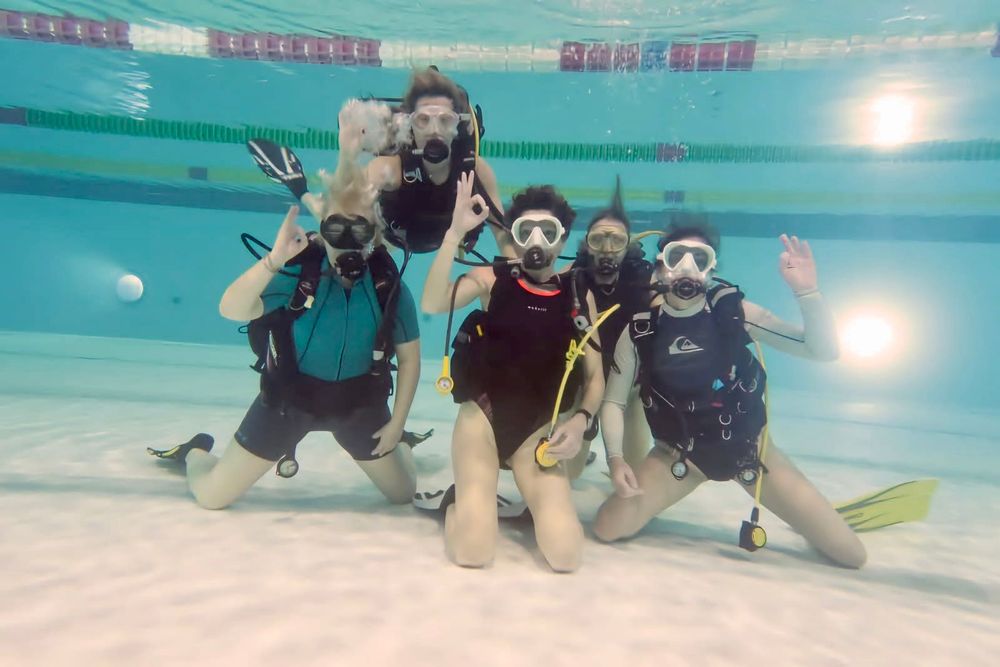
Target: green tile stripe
x=252, y=180
x=179, y=130
x=312, y=138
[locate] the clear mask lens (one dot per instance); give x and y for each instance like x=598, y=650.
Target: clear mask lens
x=674, y=253
x=445, y=120
x=610, y=241
x=547, y=230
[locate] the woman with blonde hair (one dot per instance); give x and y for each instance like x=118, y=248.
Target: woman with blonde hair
x=328, y=322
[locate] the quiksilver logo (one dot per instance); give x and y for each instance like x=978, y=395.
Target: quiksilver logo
x=683, y=345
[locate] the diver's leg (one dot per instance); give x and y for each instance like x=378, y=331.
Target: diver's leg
x=264, y=435
x=623, y=517
x=470, y=525
x=637, y=438
x=394, y=474
x=217, y=482
x=547, y=494
x=786, y=492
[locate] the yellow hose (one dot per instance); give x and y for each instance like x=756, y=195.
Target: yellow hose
x=575, y=350
x=640, y=236
x=762, y=445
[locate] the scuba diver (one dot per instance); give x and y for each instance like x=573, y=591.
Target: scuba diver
x=704, y=395
x=615, y=271
x=422, y=148
x=508, y=361
x=327, y=313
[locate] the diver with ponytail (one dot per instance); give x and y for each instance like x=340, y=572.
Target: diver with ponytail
x=613, y=268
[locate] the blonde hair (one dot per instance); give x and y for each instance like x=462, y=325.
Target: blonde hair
x=348, y=192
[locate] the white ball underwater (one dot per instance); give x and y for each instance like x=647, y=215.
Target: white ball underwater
x=129, y=288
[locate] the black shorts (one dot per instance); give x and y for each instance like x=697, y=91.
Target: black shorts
x=591, y=433
x=269, y=434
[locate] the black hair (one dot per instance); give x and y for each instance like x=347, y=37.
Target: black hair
x=684, y=225
x=545, y=198
x=614, y=211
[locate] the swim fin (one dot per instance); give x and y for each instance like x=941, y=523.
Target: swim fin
x=434, y=501
x=279, y=164
x=438, y=501
x=910, y=501
x=413, y=439
x=179, y=452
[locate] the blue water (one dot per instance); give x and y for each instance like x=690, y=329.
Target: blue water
x=85, y=379
x=915, y=240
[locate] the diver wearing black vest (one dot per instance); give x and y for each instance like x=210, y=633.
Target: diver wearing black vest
x=417, y=213
x=417, y=186
x=508, y=390
x=702, y=390
x=422, y=148
x=614, y=270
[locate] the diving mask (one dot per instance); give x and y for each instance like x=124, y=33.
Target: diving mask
x=687, y=265
x=347, y=232
x=433, y=117
x=540, y=230
x=613, y=240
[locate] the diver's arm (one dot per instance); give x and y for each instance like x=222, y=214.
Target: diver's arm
x=436, y=297
x=620, y=381
x=437, y=294
x=815, y=339
x=567, y=437
x=621, y=378
x=391, y=433
x=241, y=301
x=486, y=176
x=593, y=367
x=407, y=377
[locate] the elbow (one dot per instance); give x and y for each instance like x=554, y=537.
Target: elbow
x=225, y=308
x=430, y=306
x=229, y=310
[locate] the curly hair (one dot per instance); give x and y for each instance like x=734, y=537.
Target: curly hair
x=542, y=197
